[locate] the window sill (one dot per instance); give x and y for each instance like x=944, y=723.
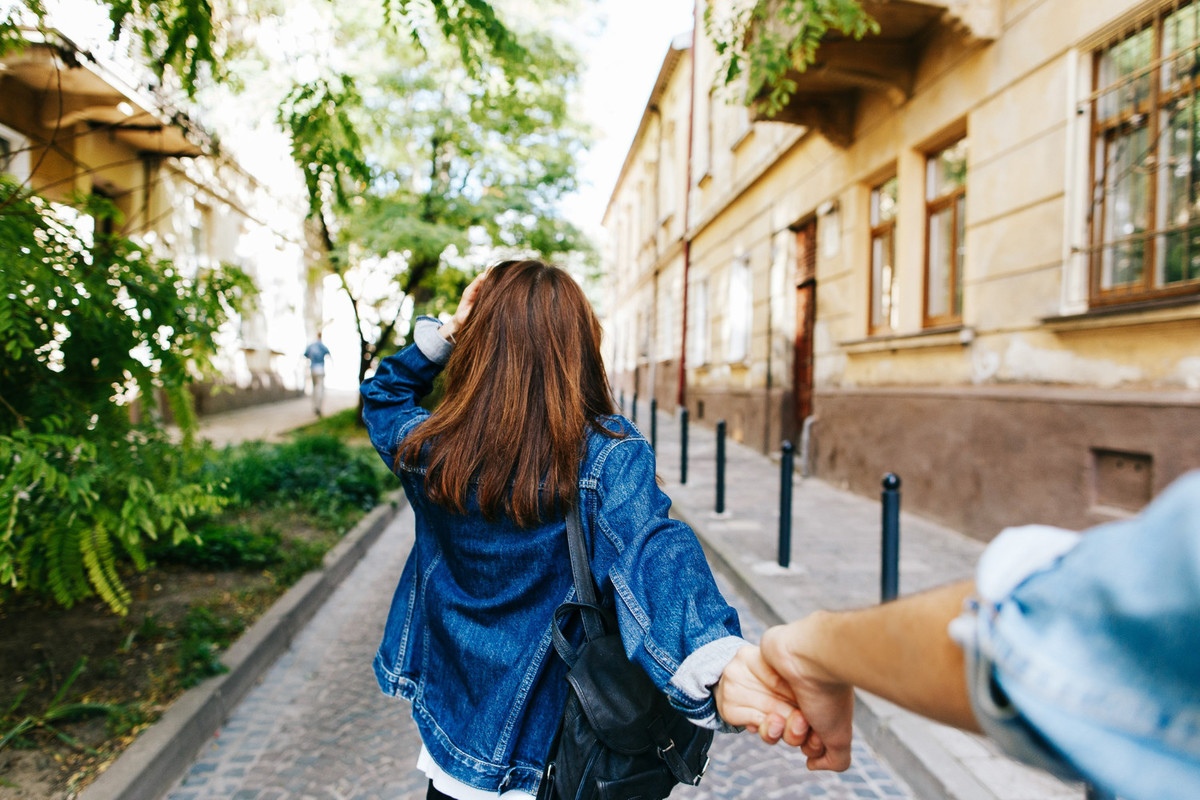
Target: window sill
x=949, y=336
x=1142, y=312
x=741, y=138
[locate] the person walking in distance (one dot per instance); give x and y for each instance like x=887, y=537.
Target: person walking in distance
x=526, y=435
x=316, y=353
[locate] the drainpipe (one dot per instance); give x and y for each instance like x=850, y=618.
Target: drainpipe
x=654, y=238
x=681, y=391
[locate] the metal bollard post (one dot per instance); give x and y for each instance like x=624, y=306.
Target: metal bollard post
x=786, y=476
x=683, y=433
x=721, y=467
x=633, y=416
x=654, y=424
x=890, y=577
x=621, y=403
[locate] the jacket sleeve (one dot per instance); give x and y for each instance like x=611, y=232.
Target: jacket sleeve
x=390, y=398
x=674, y=622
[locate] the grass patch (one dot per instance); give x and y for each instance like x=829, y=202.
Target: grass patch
x=81, y=683
x=343, y=424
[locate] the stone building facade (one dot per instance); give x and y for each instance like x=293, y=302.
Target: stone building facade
x=967, y=251
x=75, y=122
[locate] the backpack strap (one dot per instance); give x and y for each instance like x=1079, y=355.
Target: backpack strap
x=669, y=753
x=581, y=572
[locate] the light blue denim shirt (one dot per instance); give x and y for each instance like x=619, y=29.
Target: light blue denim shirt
x=467, y=639
x=1083, y=651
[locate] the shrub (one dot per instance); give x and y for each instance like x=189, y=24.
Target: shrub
x=218, y=546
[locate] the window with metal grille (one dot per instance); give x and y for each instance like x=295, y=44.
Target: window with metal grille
x=1144, y=213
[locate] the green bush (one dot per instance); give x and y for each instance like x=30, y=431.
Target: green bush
x=316, y=472
x=203, y=635
x=218, y=546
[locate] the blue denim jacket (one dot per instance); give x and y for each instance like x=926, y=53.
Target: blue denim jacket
x=1083, y=652
x=467, y=639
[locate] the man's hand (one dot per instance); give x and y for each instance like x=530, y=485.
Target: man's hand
x=824, y=730
x=752, y=695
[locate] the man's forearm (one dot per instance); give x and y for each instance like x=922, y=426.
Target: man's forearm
x=900, y=651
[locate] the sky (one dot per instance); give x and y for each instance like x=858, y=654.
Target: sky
x=623, y=43
x=622, y=64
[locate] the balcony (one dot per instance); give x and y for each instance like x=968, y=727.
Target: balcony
x=85, y=89
x=827, y=93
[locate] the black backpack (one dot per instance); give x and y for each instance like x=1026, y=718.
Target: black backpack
x=619, y=738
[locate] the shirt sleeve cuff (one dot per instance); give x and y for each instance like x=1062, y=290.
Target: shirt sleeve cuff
x=700, y=670
x=430, y=342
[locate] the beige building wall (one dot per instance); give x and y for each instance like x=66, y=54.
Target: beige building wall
x=1041, y=389
x=644, y=260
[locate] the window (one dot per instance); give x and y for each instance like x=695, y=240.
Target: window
x=739, y=311
x=945, y=214
x=704, y=151
x=885, y=314
x=698, y=314
x=14, y=154
x=1144, y=216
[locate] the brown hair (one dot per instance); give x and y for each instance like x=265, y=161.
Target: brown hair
x=523, y=385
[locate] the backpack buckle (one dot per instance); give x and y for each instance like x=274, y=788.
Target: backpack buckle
x=703, y=770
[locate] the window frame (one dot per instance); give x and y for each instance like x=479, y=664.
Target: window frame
x=877, y=231
x=16, y=164
x=1124, y=120
x=739, y=316
x=949, y=201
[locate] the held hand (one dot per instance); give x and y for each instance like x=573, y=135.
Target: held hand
x=824, y=731
x=752, y=695
x=465, y=304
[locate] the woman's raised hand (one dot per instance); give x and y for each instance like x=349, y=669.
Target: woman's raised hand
x=465, y=304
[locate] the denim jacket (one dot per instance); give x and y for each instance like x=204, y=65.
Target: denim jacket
x=467, y=639
x=1083, y=651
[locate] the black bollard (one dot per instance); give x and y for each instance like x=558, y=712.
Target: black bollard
x=654, y=424
x=786, y=474
x=721, y=467
x=683, y=431
x=634, y=415
x=890, y=577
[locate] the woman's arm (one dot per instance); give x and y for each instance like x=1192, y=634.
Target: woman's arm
x=391, y=397
x=674, y=622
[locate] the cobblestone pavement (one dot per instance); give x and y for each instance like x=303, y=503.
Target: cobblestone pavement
x=270, y=421
x=317, y=727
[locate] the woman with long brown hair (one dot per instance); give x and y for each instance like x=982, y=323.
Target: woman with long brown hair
x=527, y=430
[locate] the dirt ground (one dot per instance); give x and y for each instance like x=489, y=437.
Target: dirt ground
x=130, y=662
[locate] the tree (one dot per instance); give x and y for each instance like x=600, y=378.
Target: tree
x=93, y=325
x=761, y=41
x=189, y=40
x=430, y=161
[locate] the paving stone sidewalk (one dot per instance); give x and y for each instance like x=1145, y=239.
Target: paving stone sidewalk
x=835, y=563
x=317, y=727
x=270, y=421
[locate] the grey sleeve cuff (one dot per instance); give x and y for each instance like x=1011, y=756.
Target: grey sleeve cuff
x=703, y=668
x=430, y=342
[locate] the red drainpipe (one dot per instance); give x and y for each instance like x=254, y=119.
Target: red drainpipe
x=681, y=392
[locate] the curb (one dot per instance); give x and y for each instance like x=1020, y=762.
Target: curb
x=904, y=739
x=154, y=762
